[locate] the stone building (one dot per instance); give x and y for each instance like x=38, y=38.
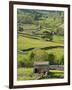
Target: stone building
x=41, y=67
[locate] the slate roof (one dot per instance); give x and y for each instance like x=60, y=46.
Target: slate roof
x=41, y=63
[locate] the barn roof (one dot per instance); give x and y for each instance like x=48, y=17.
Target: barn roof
x=41, y=63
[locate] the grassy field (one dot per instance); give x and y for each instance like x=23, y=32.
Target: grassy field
x=25, y=43
x=27, y=74
x=29, y=26
x=58, y=52
x=56, y=74
x=58, y=38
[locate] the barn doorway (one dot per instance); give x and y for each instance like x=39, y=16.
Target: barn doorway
x=36, y=70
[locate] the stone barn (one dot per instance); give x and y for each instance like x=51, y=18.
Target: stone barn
x=41, y=67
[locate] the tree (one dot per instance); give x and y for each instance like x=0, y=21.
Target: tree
x=20, y=29
x=51, y=59
x=22, y=62
x=40, y=55
x=48, y=35
x=24, y=19
x=62, y=60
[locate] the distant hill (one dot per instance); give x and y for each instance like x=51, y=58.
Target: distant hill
x=36, y=11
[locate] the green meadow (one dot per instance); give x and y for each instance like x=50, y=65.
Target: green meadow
x=27, y=74
x=25, y=43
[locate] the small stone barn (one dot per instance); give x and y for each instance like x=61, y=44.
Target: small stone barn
x=41, y=67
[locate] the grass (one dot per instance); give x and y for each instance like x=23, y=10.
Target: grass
x=27, y=74
x=20, y=56
x=25, y=43
x=29, y=26
x=56, y=74
x=58, y=38
x=26, y=78
x=58, y=52
x=27, y=71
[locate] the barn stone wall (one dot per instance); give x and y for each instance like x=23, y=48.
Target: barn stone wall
x=41, y=68
x=56, y=67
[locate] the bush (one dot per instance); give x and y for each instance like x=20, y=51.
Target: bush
x=40, y=55
x=51, y=59
x=31, y=55
x=47, y=34
x=37, y=55
x=54, y=61
x=20, y=29
x=22, y=62
x=62, y=60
